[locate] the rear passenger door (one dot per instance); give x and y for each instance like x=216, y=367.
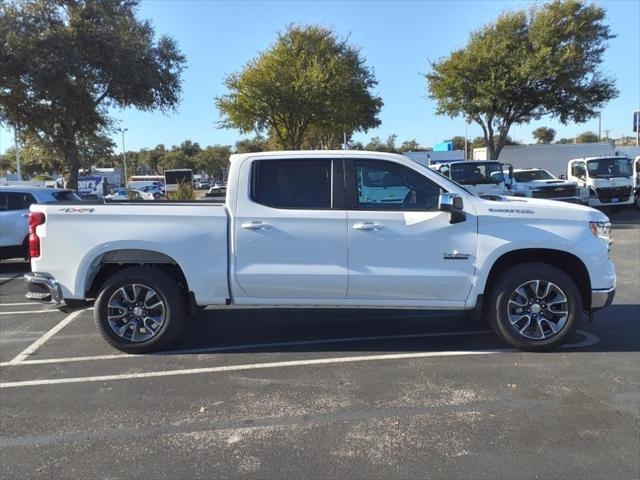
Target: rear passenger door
x=14, y=222
x=290, y=231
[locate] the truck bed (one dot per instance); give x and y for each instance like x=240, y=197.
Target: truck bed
x=80, y=233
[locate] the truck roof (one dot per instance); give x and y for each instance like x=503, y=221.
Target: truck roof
x=601, y=157
x=314, y=153
x=31, y=188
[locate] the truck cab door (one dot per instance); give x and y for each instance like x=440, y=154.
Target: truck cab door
x=404, y=251
x=577, y=171
x=290, y=231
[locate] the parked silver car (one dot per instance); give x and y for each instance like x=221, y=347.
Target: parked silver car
x=14, y=215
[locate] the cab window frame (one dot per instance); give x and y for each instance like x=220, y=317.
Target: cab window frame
x=352, y=200
x=336, y=182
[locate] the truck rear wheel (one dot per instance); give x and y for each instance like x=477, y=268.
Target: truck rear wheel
x=534, y=306
x=139, y=310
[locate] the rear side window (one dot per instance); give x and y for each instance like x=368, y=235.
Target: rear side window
x=15, y=201
x=65, y=196
x=303, y=184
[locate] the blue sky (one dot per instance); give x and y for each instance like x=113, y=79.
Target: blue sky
x=398, y=39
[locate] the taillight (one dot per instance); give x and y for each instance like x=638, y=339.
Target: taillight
x=35, y=219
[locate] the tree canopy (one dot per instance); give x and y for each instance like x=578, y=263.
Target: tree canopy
x=544, y=135
x=526, y=65
x=587, y=137
x=309, y=87
x=65, y=62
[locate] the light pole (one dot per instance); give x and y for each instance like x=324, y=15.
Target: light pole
x=124, y=157
x=15, y=139
x=599, y=126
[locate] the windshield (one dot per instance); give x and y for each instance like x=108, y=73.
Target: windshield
x=473, y=173
x=453, y=182
x=531, y=175
x=609, y=167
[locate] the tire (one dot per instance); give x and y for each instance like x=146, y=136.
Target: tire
x=547, y=329
x=156, y=326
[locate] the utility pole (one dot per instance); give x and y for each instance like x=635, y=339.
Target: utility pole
x=466, y=133
x=124, y=156
x=15, y=139
x=599, y=126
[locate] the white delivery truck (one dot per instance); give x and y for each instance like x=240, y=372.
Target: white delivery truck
x=174, y=178
x=301, y=229
x=482, y=177
x=603, y=181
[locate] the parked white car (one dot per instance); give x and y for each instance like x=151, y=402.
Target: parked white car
x=539, y=183
x=603, y=181
x=122, y=194
x=299, y=230
x=14, y=212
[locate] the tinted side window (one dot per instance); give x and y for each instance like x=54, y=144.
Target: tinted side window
x=65, y=196
x=17, y=201
x=292, y=183
x=384, y=185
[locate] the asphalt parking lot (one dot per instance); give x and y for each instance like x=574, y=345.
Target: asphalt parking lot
x=322, y=394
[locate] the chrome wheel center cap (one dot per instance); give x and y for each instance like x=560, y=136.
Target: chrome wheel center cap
x=535, y=308
x=137, y=311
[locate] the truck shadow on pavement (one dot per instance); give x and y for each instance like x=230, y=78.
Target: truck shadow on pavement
x=615, y=329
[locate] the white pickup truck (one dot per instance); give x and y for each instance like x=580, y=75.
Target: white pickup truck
x=307, y=229
x=539, y=183
x=485, y=178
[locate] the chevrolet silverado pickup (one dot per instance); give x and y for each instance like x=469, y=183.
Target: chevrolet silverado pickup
x=316, y=229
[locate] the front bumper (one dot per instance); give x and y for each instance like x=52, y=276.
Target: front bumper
x=43, y=288
x=602, y=298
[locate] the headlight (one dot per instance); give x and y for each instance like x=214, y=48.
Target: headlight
x=602, y=230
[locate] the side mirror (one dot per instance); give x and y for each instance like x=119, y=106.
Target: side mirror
x=452, y=203
x=562, y=177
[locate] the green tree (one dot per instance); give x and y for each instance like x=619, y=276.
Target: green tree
x=177, y=159
x=153, y=159
x=544, y=135
x=587, y=137
x=524, y=66
x=250, y=145
x=309, y=80
x=458, y=142
x=213, y=160
x=410, y=146
x=65, y=62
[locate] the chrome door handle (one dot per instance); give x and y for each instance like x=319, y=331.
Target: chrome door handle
x=255, y=226
x=368, y=226
x=24, y=214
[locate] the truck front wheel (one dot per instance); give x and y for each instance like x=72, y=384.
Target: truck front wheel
x=139, y=310
x=534, y=306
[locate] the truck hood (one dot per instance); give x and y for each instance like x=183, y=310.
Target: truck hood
x=533, y=209
x=550, y=182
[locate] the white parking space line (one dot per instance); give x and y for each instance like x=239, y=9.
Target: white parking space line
x=44, y=338
x=252, y=366
x=588, y=340
x=231, y=348
x=20, y=304
x=24, y=312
